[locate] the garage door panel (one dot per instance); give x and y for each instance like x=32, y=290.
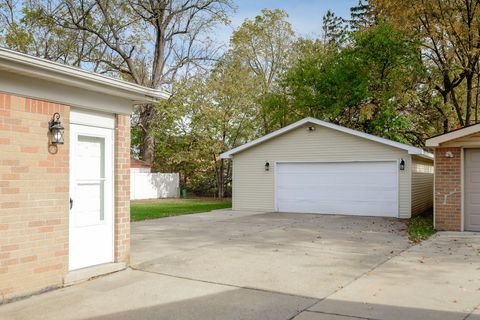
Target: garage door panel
x=357, y=188
x=331, y=180
x=339, y=207
x=341, y=193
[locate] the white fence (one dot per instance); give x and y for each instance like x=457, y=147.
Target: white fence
x=154, y=185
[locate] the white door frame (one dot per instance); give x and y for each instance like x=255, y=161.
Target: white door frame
x=397, y=162
x=88, y=122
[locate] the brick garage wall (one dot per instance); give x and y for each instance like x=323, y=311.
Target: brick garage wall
x=33, y=198
x=448, y=190
x=122, y=189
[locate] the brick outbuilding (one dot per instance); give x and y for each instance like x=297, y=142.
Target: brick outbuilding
x=64, y=201
x=457, y=179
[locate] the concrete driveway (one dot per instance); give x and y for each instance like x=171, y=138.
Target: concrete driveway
x=245, y=265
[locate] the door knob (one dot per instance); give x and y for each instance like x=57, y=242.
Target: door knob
x=71, y=203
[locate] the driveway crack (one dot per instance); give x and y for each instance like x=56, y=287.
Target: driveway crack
x=360, y=276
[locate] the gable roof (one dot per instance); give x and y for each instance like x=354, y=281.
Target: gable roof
x=409, y=149
x=44, y=69
x=452, y=135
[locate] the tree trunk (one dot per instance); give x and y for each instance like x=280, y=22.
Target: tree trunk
x=468, y=114
x=477, y=96
x=148, y=146
x=221, y=180
x=457, y=108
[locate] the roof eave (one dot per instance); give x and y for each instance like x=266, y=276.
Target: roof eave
x=51, y=71
x=411, y=150
x=453, y=135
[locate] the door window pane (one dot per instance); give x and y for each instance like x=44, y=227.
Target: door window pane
x=90, y=180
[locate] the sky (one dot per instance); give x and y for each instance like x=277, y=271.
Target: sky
x=305, y=15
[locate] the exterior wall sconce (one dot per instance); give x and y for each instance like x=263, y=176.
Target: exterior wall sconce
x=310, y=128
x=56, y=129
x=267, y=166
x=402, y=164
x=448, y=154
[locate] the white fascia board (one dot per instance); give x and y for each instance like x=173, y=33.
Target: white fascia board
x=30, y=66
x=436, y=141
x=409, y=149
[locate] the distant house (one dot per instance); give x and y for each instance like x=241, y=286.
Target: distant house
x=64, y=173
x=457, y=179
x=139, y=166
x=148, y=185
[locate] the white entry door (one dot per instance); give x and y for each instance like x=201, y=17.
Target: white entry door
x=91, y=196
x=351, y=188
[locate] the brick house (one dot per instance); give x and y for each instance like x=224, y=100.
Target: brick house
x=457, y=179
x=64, y=208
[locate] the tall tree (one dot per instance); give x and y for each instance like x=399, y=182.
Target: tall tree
x=450, y=34
x=334, y=29
x=26, y=27
x=362, y=16
x=215, y=113
x=369, y=85
x=264, y=45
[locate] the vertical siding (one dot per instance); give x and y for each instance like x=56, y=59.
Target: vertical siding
x=422, y=185
x=254, y=188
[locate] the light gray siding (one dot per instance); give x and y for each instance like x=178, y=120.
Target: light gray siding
x=254, y=188
x=422, y=185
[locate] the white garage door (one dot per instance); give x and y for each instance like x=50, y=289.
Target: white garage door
x=352, y=188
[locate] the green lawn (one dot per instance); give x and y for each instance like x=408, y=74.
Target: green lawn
x=420, y=227
x=153, y=209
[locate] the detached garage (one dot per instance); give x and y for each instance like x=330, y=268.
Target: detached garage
x=312, y=166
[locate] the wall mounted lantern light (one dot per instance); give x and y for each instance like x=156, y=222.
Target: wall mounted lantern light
x=267, y=166
x=56, y=129
x=402, y=164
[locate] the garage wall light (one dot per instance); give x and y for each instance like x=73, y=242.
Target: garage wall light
x=56, y=129
x=448, y=154
x=310, y=128
x=267, y=166
x=402, y=164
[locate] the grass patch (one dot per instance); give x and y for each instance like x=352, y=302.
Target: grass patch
x=153, y=209
x=420, y=227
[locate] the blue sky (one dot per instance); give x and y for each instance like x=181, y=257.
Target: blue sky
x=305, y=15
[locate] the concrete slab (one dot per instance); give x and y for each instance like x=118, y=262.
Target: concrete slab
x=247, y=265
x=141, y=295
x=438, y=279
x=85, y=274
x=303, y=254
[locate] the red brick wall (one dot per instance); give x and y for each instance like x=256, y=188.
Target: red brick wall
x=448, y=190
x=33, y=197
x=122, y=189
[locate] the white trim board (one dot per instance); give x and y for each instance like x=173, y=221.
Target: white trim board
x=436, y=141
x=410, y=149
x=45, y=70
x=34, y=88
x=92, y=118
